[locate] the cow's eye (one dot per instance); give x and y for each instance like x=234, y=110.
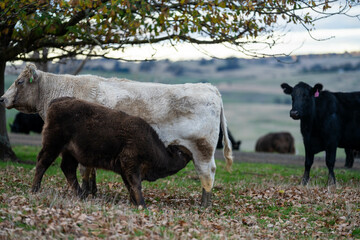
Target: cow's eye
x=21, y=81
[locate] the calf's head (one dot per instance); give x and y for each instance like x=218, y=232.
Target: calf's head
x=303, y=98
x=24, y=92
x=180, y=153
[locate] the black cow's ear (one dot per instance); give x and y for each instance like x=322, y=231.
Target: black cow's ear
x=287, y=88
x=318, y=87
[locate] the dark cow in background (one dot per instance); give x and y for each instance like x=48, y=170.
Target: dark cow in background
x=350, y=157
x=327, y=120
x=26, y=123
x=99, y=137
x=279, y=142
x=235, y=144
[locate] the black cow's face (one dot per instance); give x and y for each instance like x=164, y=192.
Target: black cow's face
x=303, y=98
x=16, y=128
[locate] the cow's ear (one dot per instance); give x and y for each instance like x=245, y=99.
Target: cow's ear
x=287, y=88
x=317, y=89
x=33, y=73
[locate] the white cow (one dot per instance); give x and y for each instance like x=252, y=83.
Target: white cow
x=183, y=114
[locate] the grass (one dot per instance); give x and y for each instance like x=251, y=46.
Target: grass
x=254, y=201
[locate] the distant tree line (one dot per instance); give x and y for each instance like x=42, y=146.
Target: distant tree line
x=319, y=68
x=230, y=64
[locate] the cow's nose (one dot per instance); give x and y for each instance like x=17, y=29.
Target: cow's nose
x=2, y=100
x=294, y=114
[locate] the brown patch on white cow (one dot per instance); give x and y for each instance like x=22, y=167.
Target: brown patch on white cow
x=136, y=107
x=180, y=106
x=205, y=148
x=177, y=107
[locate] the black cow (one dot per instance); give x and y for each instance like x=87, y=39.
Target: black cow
x=235, y=144
x=327, y=120
x=26, y=123
x=350, y=157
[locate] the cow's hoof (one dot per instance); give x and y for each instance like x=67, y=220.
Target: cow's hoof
x=93, y=190
x=35, y=188
x=85, y=186
x=304, y=181
x=205, y=199
x=82, y=193
x=89, y=188
x=331, y=182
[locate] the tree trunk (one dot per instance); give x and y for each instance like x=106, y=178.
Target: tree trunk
x=42, y=66
x=6, y=153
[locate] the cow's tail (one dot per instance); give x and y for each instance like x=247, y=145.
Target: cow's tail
x=226, y=142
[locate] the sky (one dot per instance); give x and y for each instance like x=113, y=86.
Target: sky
x=342, y=34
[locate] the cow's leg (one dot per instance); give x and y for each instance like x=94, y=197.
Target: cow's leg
x=68, y=166
x=330, y=163
x=206, y=171
x=309, y=159
x=93, y=188
x=349, y=161
x=88, y=180
x=45, y=158
x=203, y=157
x=132, y=182
x=130, y=174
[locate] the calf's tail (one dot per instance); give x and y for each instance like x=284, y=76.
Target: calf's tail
x=226, y=142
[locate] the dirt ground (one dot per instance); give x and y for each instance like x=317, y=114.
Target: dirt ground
x=239, y=156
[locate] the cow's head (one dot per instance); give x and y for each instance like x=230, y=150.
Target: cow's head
x=15, y=128
x=24, y=92
x=303, y=98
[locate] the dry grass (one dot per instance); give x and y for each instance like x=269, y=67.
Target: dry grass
x=254, y=202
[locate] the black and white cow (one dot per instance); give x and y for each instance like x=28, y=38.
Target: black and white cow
x=327, y=120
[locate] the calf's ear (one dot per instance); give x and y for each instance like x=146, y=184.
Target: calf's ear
x=287, y=88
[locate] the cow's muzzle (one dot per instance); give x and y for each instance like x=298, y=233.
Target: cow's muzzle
x=4, y=102
x=294, y=114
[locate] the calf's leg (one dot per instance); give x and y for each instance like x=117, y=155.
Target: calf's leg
x=133, y=184
x=88, y=180
x=45, y=158
x=68, y=166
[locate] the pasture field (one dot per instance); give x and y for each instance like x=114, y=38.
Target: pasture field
x=255, y=201
x=254, y=102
